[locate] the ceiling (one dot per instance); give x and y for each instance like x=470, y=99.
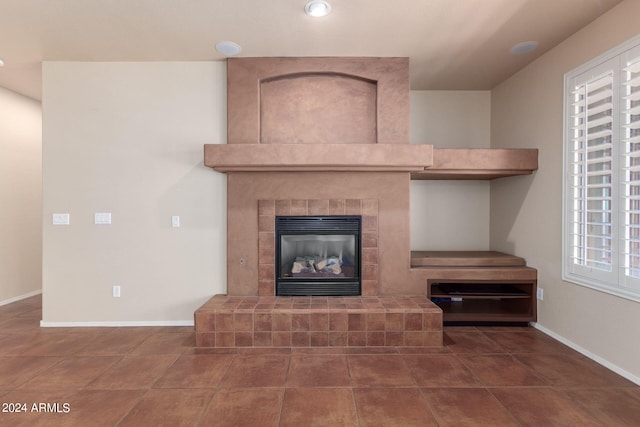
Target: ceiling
x=452, y=44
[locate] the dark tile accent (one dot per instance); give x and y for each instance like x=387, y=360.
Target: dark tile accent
x=357, y=321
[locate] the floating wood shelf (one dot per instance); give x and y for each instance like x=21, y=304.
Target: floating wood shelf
x=479, y=163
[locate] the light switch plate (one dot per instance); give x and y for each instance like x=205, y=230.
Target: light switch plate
x=175, y=221
x=102, y=218
x=60, y=219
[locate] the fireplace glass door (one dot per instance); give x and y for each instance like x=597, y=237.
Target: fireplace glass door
x=318, y=255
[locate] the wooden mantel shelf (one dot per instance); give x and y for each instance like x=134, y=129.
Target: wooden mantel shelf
x=478, y=163
x=318, y=157
x=422, y=160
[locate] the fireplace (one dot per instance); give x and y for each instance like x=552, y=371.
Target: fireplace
x=330, y=196
x=318, y=255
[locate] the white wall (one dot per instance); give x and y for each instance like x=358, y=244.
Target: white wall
x=450, y=215
x=526, y=212
x=20, y=196
x=127, y=138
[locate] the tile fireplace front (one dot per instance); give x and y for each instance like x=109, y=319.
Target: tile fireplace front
x=367, y=237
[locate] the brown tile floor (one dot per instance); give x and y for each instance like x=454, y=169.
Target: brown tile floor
x=155, y=376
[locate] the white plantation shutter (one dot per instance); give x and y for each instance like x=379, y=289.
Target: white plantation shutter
x=591, y=183
x=602, y=173
x=630, y=174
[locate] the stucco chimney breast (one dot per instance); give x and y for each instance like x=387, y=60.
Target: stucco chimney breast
x=309, y=132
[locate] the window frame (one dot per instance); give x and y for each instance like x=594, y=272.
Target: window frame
x=615, y=282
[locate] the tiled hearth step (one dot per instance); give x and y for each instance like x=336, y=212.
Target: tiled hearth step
x=236, y=321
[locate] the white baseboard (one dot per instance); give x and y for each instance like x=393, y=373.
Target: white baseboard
x=44, y=324
x=615, y=368
x=20, y=297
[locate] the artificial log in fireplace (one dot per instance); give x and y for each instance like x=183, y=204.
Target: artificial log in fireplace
x=318, y=255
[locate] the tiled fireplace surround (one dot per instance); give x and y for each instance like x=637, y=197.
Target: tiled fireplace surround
x=393, y=309
x=269, y=321
x=269, y=209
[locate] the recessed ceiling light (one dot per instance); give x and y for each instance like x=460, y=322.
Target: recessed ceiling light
x=228, y=48
x=1, y=63
x=317, y=8
x=524, y=47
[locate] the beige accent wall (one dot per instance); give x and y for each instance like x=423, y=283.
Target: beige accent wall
x=20, y=196
x=127, y=138
x=450, y=215
x=526, y=212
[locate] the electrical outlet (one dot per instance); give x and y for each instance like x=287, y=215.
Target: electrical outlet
x=116, y=291
x=540, y=294
x=175, y=221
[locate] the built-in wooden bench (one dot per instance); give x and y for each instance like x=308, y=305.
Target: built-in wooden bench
x=479, y=286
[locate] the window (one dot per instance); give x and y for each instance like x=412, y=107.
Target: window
x=602, y=173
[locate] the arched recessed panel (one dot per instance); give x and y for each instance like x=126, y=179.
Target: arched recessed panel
x=318, y=108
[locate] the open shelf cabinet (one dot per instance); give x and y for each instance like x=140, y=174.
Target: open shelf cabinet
x=490, y=302
x=479, y=286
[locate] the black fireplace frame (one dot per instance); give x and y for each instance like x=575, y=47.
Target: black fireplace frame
x=321, y=225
